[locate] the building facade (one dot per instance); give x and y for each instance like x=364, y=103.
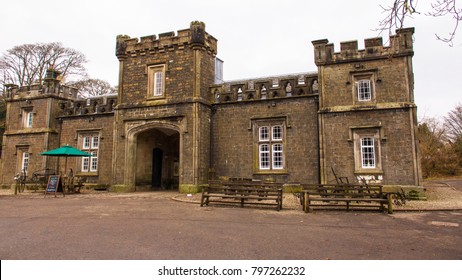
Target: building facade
x=174, y=123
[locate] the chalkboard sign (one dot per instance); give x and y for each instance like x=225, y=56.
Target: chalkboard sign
x=54, y=185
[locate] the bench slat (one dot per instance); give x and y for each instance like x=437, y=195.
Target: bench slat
x=347, y=199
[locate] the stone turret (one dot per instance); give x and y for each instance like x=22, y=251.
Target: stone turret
x=163, y=93
x=366, y=101
x=401, y=44
x=195, y=36
x=198, y=33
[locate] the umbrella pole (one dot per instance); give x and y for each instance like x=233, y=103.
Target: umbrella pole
x=65, y=181
x=65, y=166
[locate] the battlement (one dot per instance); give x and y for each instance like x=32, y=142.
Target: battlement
x=265, y=88
x=401, y=44
x=88, y=106
x=194, y=37
x=15, y=92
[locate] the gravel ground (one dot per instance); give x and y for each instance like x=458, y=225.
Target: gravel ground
x=440, y=196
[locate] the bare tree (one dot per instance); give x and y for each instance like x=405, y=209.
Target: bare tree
x=441, y=155
x=437, y=155
x=453, y=124
x=27, y=64
x=400, y=10
x=94, y=87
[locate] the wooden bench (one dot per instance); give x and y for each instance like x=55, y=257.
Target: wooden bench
x=40, y=178
x=242, y=192
x=79, y=183
x=74, y=184
x=351, y=196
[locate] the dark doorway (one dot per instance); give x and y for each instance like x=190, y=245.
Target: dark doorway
x=157, y=159
x=157, y=156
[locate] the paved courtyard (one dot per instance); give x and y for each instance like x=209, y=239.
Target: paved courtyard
x=153, y=226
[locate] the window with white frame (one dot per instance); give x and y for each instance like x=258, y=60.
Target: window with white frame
x=90, y=144
x=27, y=118
x=367, y=149
x=25, y=162
x=367, y=152
x=156, y=81
x=364, y=86
x=271, y=147
x=264, y=156
x=277, y=156
x=364, y=90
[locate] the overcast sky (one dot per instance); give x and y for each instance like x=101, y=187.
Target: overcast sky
x=255, y=37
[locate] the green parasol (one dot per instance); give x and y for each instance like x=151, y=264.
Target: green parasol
x=66, y=151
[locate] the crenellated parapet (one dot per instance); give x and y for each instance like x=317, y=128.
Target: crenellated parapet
x=400, y=44
x=94, y=105
x=51, y=86
x=15, y=92
x=265, y=88
x=194, y=37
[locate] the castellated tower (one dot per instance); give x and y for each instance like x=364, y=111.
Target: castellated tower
x=162, y=117
x=367, y=115
x=32, y=126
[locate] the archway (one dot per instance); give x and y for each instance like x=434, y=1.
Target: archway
x=157, y=156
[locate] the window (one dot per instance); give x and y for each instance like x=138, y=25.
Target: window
x=86, y=143
x=156, y=81
x=364, y=90
x=264, y=157
x=94, y=161
x=218, y=71
x=364, y=87
x=27, y=118
x=277, y=133
x=271, y=147
x=90, y=144
x=367, y=149
x=158, y=78
x=277, y=156
x=367, y=152
x=25, y=162
x=264, y=133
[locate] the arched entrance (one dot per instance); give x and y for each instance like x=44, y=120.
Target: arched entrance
x=157, y=159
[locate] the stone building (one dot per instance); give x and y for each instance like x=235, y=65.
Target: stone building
x=174, y=123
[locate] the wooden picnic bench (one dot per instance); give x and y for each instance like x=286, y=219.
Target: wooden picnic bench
x=40, y=178
x=74, y=184
x=242, y=192
x=79, y=183
x=351, y=196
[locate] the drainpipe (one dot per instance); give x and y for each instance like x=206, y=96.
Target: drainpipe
x=318, y=162
x=211, y=167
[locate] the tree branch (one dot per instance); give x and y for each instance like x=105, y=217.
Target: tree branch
x=397, y=14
